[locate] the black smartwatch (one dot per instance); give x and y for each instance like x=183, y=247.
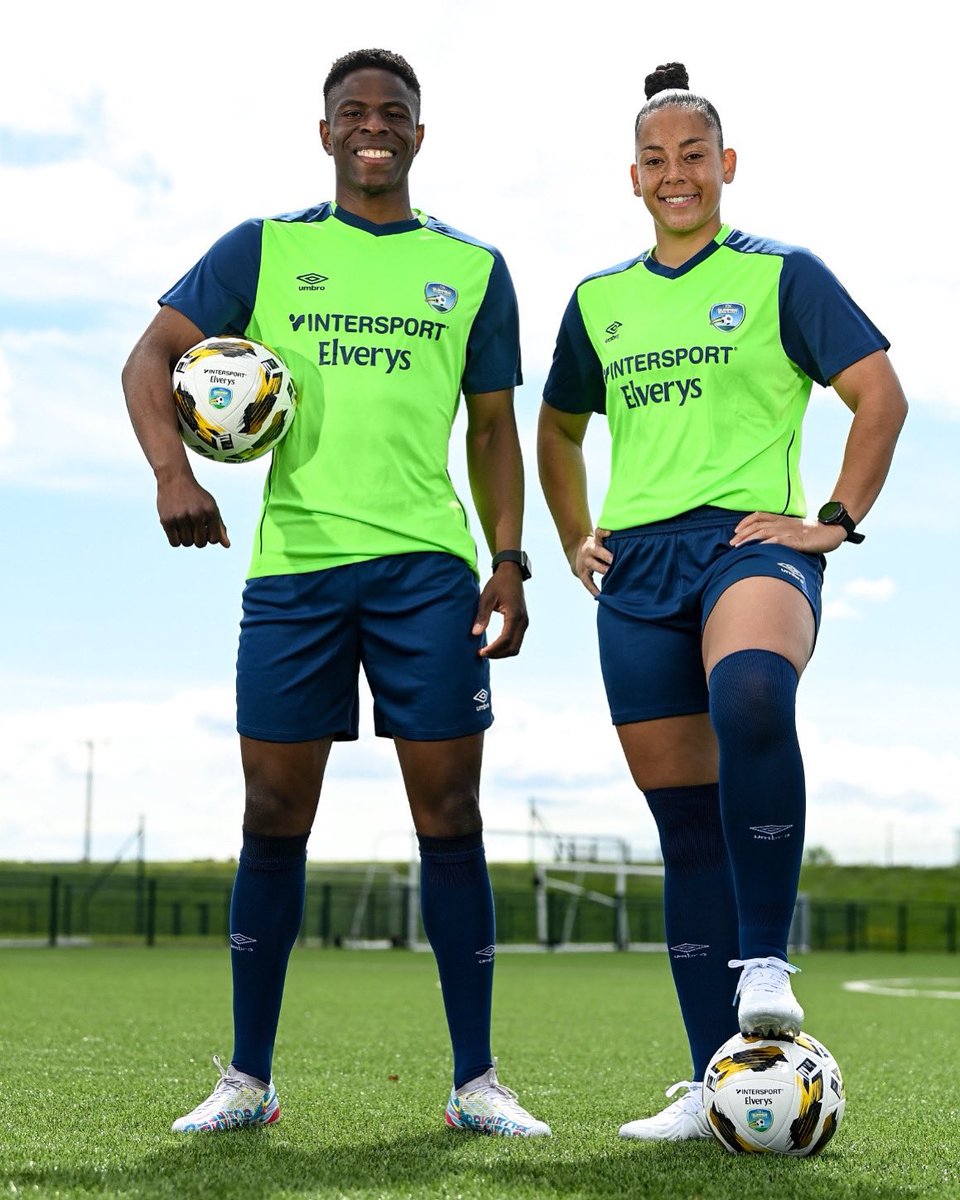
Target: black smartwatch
x=515, y=556
x=833, y=513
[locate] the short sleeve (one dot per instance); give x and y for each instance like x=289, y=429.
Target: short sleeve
x=219, y=291
x=575, y=382
x=493, y=345
x=821, y=327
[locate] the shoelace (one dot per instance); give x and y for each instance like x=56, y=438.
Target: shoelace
x=692, y=1101
x=505, y=1098
x=225, y=1082
x=765, y=974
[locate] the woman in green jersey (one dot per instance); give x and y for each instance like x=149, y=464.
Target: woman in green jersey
x=702, y=352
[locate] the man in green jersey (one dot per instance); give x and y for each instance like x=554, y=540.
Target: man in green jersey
x=362, y=556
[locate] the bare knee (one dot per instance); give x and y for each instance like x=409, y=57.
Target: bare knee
x=451, y=813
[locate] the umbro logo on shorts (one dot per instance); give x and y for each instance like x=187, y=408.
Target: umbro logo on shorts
x=483, y=699
x=794, y=573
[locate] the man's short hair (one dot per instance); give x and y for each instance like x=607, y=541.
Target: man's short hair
x=381, y=60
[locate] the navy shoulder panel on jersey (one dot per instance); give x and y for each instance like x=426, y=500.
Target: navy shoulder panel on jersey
x=575, y=381
x=822, y=329
x=219, y=291
x=316, y=212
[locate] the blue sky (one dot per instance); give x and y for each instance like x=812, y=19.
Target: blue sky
x=116, y=180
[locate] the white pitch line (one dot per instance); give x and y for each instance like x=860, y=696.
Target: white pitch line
x=906, y=987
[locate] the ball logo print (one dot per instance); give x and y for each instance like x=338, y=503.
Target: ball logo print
x=234, y=399
x=759, y=1119
x=220, y=397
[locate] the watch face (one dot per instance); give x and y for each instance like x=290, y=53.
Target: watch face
x=831, y=512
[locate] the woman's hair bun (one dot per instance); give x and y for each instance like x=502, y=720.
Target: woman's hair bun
x=670, y=75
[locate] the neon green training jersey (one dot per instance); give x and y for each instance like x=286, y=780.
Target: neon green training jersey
x=382, y=327
x=704, y=372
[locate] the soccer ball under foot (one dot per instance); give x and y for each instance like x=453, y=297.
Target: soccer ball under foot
x=771, y=1096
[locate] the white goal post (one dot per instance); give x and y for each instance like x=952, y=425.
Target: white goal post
x=545, y=876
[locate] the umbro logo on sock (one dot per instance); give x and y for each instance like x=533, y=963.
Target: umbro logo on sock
x=770, y=833
x=486, y=954
x=690, y=950
x=240, y=941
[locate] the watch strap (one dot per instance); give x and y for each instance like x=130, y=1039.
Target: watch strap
x=514, y=556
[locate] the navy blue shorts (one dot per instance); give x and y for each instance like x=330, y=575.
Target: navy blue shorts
x=657, y=595
x=406, y=619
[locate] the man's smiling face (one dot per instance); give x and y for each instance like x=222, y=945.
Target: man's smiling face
x=372, y=131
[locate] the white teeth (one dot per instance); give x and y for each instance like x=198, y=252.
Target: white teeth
x=370, y=152
x=676, y=199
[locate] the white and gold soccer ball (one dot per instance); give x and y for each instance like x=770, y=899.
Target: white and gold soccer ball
x=235, y=398
x=766, y=1096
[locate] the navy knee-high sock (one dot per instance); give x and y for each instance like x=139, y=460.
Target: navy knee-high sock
x=265, y=914
x=700, y=914
x=456, y=904
x=762, y=795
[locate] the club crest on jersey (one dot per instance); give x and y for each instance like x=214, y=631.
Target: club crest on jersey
x=440, y=296
x=728, y=316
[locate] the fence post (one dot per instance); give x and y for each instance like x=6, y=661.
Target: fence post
x=54, y=908
x=851, y=927
x=325, y=914
x=151, y=920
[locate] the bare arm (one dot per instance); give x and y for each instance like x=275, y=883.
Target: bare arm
x=495, y=467
x=871, y=390
x=188, y=513
x=563, y=477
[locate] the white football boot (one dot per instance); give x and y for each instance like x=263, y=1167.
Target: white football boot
x=767, y=1003
x=484, y=1105
x=237, y=1101
x=680, y=1121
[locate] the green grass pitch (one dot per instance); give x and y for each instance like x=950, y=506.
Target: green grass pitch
x=101, y=1048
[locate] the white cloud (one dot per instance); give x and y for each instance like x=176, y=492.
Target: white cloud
x=62, y=419
x=175, y=762
x=841, y=604
x=870, y=589
x=840, y=610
